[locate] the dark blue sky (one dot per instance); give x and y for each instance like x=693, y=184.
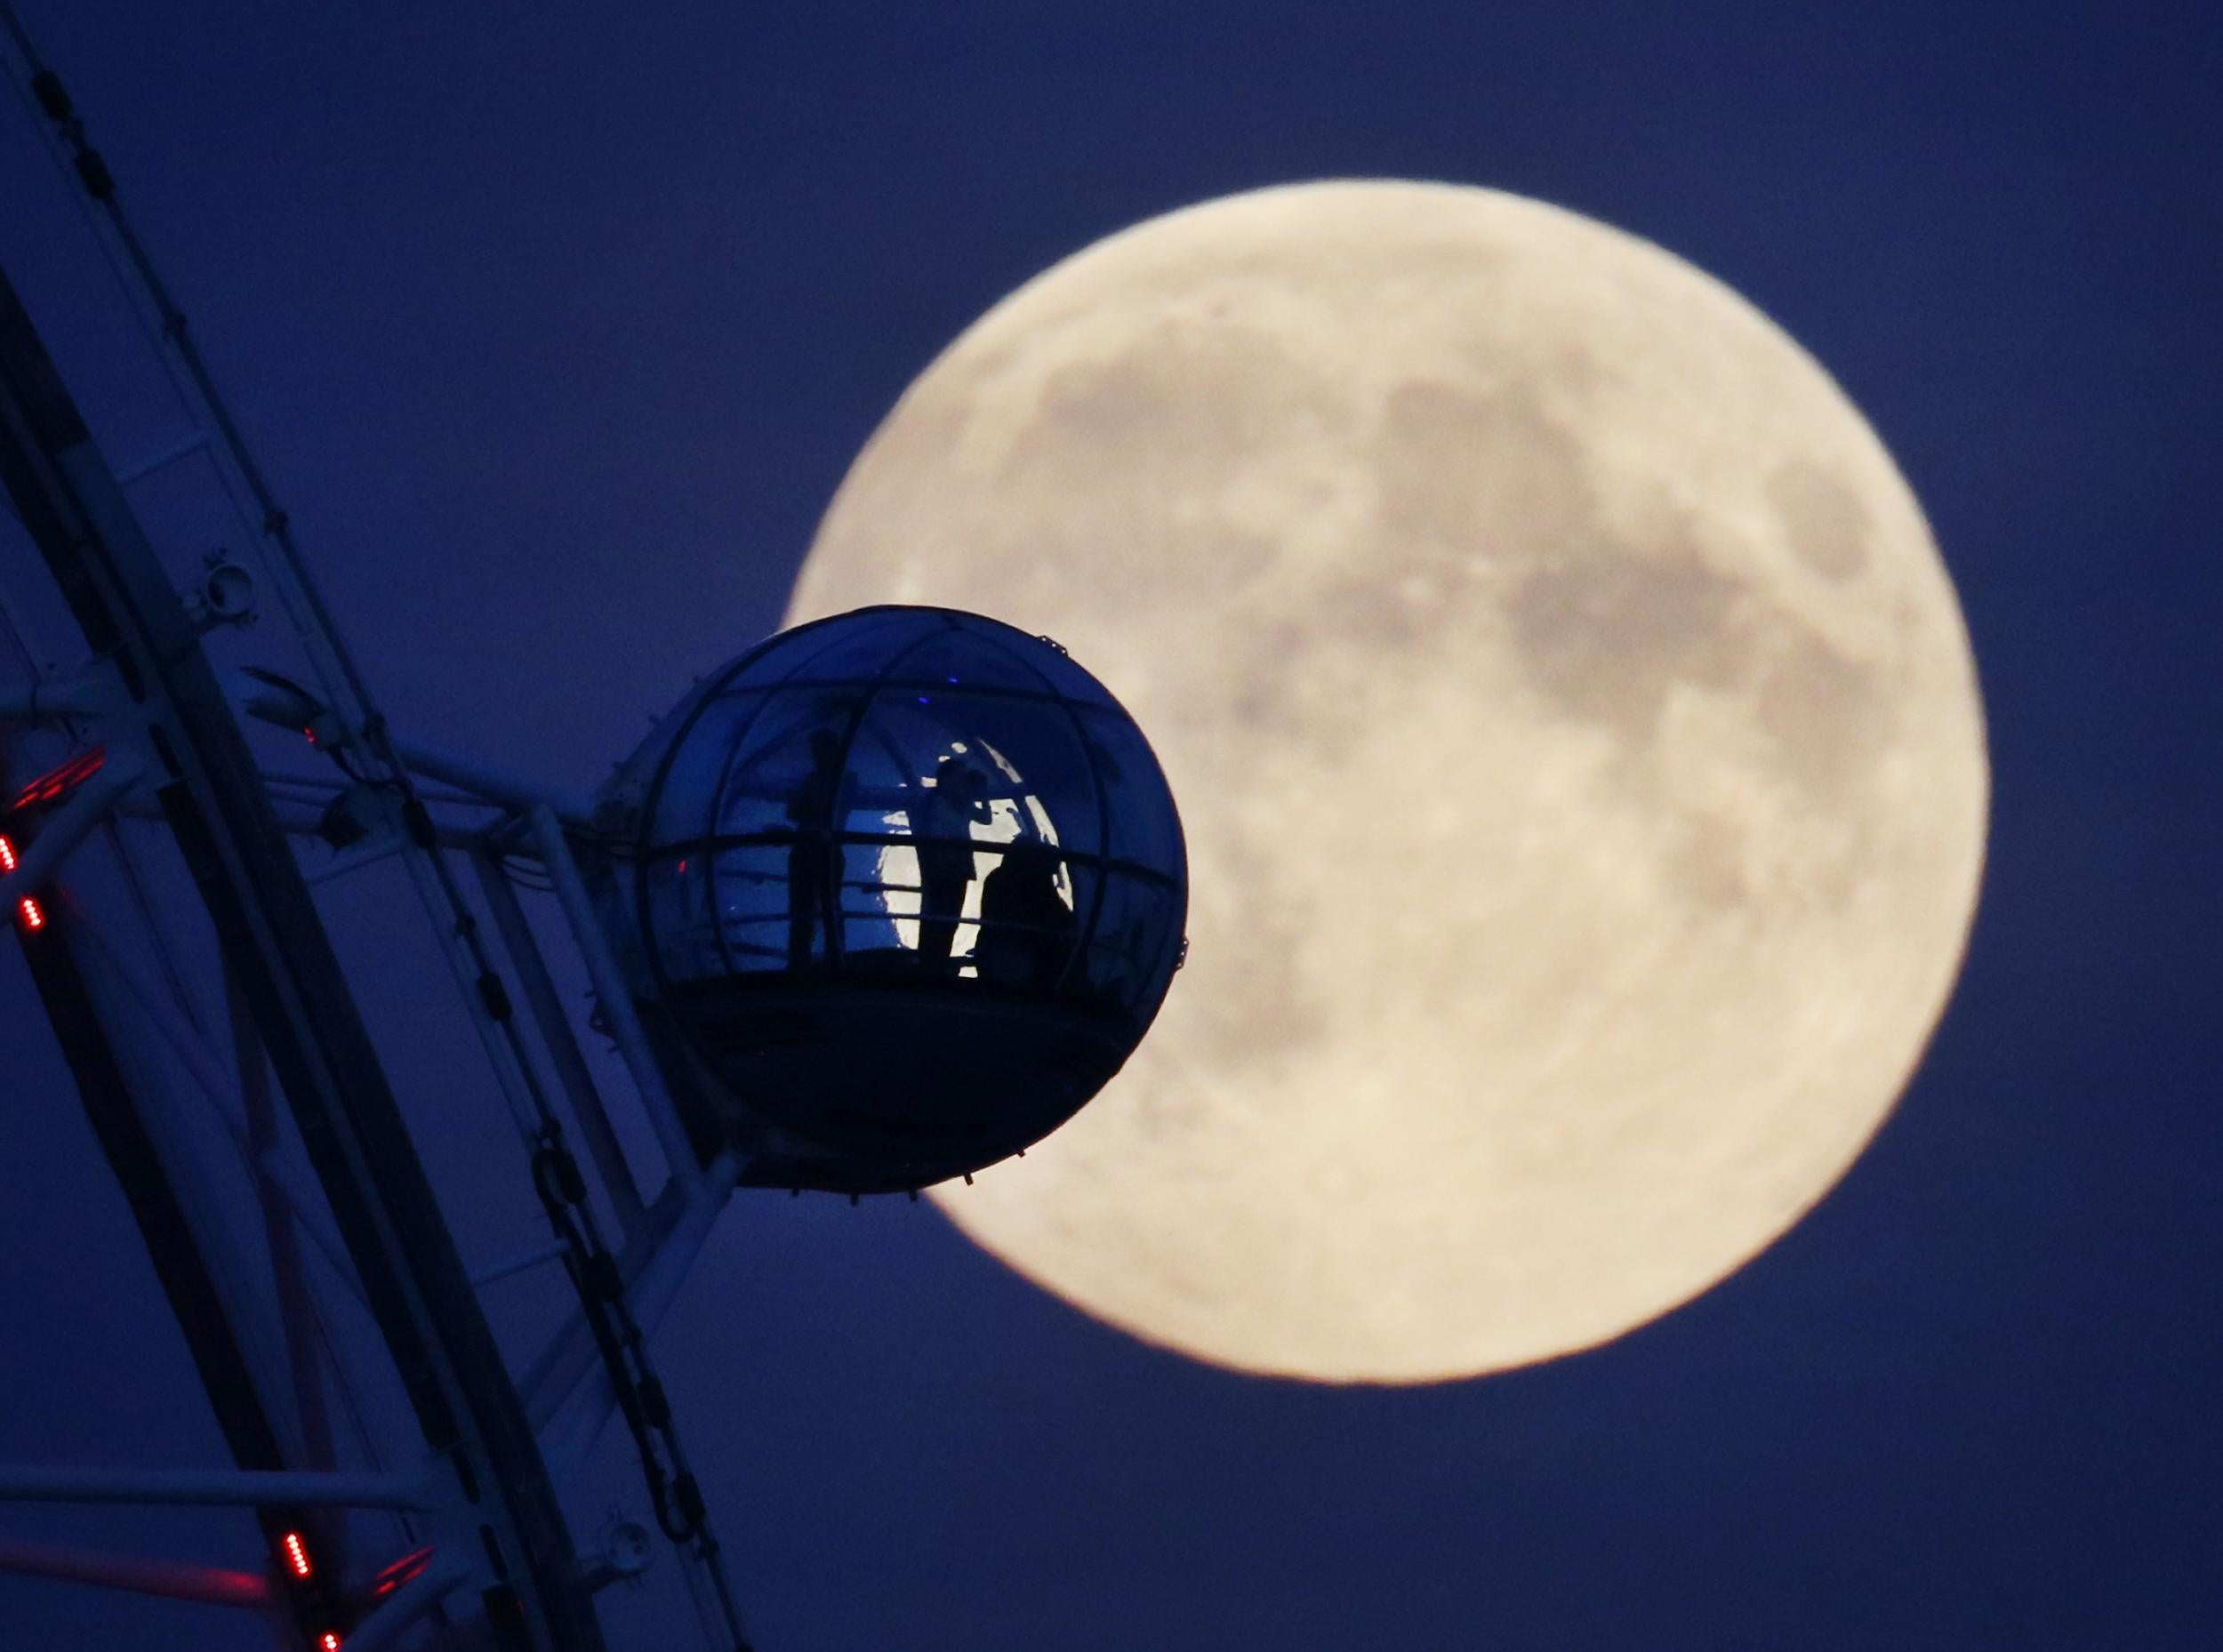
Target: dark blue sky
x=557, y=325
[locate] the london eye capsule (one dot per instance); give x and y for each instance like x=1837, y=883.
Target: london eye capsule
x=898, y=890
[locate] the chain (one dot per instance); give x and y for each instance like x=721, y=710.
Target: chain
x=672, y=1488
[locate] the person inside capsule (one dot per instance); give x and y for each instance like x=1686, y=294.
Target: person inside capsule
x=945, y=846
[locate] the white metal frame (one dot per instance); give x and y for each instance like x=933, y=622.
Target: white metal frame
x=176, y=1073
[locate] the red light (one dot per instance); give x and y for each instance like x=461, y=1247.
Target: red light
x=33, y=915
x=52, y=784
x=297, y=1555
x=401, y=1571
x=309, y=734
x=7, y=855
x=329, y=1641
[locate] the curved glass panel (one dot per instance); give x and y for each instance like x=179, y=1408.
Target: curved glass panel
x=958, y=659
x=855, y=648
x=924, y=861
x=696, y=763
x=1146, y=829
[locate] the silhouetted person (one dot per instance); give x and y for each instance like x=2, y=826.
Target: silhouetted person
x=1026, y=931
x=815, y=809
x=945, y=843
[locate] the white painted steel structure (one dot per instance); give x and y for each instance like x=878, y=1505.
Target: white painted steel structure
x=165, y=859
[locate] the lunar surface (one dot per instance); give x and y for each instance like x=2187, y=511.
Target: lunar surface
x=1575, y=733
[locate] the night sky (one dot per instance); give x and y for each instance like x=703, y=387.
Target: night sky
x=557, y=325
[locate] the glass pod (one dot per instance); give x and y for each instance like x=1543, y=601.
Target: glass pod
x=909, y=886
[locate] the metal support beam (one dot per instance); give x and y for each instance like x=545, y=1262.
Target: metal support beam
x=482, y=780
x=123, y=600
x=329, y=786
x=554, y=1372
x=68, y=827
x=186, y=1043
x=217, y=1341
x=353, y=860
x=196, y=442
x=570, y=1435
x=610, y=990
x=244, y=1488
x=559, y=1039
x=172, y=1580
x=524, y=1260
x=406, y=1607
x=188, y=1210
x=297, y=1308
x=51, y=698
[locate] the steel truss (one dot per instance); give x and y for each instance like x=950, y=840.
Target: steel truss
x=155, y=744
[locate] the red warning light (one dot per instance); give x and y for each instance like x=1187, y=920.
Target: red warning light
x=54, y=782
x=329, y=1641
x=401, y=1571
x=32, y=914
x=297, y=1554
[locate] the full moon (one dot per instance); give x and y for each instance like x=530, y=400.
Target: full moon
x=1577, y=736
